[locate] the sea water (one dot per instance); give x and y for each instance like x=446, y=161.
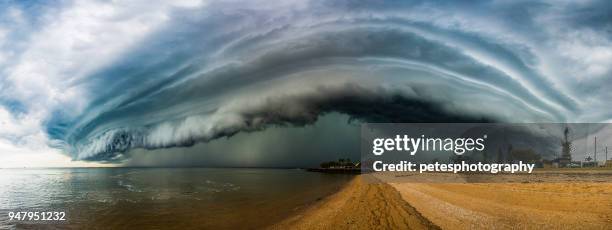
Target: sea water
x=161, y=198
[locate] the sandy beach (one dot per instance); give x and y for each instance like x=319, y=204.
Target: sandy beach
x=511, y=206
x=551, y=205
x=359, y=205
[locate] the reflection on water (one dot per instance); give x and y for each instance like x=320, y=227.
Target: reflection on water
x=162, y=197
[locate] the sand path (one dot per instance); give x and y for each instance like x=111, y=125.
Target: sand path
x=360, y=205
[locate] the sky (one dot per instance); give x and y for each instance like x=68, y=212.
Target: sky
x=99, y=83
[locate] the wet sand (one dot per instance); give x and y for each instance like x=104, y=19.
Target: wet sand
x=359, y=205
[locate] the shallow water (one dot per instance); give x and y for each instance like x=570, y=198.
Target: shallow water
x=161, y=198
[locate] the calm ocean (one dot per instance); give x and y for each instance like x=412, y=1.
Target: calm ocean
x=161, y=198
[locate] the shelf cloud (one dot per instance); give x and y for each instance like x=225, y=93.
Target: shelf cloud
x=99, y=79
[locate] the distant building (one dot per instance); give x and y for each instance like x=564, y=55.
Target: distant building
x=575, y=164
x=589, y=164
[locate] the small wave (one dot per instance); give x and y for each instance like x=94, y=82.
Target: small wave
x=127, y=186
x=221, y=187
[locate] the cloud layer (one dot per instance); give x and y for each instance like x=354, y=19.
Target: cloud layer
x=97, y=79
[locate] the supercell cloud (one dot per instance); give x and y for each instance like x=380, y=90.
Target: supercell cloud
x=98, y=79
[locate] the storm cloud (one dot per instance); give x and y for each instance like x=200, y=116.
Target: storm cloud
x=99, y=79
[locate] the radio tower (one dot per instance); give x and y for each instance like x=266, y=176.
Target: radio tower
x=595, y=153
x=566, y=156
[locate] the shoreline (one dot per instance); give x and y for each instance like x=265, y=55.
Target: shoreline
x=336, y=170
x=358, y=205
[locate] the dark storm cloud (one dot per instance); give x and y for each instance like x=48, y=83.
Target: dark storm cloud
x=215, y=69
x=294, y=110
